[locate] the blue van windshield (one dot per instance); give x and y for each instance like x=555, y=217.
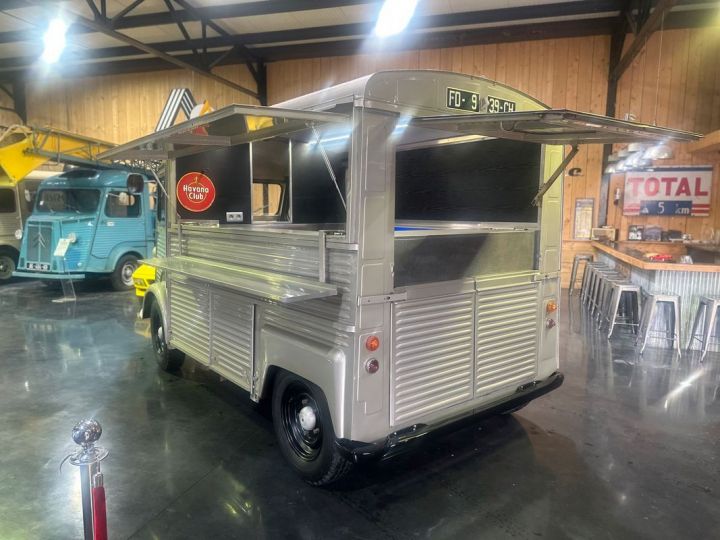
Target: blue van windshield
x=78, y=201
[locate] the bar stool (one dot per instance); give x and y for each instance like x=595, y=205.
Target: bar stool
x=577, y=259
x=650, y=310
x=598, y=285
x=631, y=309
x=607, y=280
x=705, y=320
x=588, y=276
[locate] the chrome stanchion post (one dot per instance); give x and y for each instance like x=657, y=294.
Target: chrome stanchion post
x=86, y=433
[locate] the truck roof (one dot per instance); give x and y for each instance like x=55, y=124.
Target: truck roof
x=88, y=178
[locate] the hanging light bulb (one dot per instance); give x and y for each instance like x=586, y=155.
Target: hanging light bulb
x=54, y=41
x=394, y=17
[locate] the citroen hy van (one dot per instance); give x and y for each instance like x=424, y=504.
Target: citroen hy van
x=89, y=223
x=376, y=260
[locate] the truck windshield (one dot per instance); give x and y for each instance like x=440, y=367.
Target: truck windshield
x=78, y=201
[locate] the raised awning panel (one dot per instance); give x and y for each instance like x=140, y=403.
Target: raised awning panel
x=552, y=127
x=250, y=282
x=231, y=125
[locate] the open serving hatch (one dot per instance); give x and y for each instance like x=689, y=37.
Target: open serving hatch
x=229, y=126
x=554, y=126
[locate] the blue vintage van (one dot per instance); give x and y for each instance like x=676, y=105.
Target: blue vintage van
x=89, y=223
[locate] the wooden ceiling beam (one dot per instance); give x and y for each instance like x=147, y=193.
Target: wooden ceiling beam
x=653, y=22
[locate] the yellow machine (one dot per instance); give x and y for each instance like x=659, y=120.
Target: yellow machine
x=23, y=150
x=143, y=277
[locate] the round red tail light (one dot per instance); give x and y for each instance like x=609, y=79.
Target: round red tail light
x=372, y=343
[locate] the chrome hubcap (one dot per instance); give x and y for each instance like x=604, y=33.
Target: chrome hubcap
x=6, y=267
x=127, y=272
x=307, y=418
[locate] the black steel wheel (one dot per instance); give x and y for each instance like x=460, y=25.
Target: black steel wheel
x=167, y=359
x=304, y=430
x=8, y=263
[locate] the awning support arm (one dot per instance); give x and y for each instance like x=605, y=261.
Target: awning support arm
x=328, y=165
x=537, y=201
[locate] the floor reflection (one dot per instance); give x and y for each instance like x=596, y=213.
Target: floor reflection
x=625, y=449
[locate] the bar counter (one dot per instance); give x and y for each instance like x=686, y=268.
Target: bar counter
x=689, y=281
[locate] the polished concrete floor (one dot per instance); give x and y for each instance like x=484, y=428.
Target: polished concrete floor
x=627, y=448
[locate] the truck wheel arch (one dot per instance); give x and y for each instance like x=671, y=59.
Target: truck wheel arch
x=320, y=364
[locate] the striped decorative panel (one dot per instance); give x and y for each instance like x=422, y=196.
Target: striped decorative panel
x=39, y=242
x=190, y=318
x=432, y=364
x=232, y=337
x=507, y=337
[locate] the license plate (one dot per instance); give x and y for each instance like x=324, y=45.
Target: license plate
x=43, y=267
x=463, y=100
x=499, y=105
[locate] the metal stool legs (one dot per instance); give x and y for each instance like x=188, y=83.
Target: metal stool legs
x=648, y=318
x=706, y=316
x=622, y=291
x=587, y=257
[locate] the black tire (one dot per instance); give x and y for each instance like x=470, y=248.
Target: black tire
x=167, y=359
x=8, y=264
x=312, y=453
x=121, y=278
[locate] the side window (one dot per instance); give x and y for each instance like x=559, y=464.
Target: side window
x=121, y=204
x=7, y=201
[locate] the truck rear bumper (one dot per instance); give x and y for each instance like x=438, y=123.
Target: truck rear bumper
x=401, y=441
x=47, y=275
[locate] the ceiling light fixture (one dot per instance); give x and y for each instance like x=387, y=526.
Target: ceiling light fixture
x=394, y=17
x=54, y=40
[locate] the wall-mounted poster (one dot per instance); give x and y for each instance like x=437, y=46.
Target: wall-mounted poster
x=668, y=191
x=583, y=218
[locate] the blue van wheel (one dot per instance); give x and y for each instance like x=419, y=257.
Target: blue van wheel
x=121, y=278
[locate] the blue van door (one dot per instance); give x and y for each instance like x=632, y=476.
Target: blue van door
x=119, y=224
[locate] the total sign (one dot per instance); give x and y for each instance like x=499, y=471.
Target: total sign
x=195, y=192
x=668, y=191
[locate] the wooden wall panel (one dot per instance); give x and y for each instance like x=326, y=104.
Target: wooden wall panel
x=564, y=73
x=675, y=81
x=118, y=108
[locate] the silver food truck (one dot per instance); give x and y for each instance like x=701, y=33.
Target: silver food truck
x=377, y=260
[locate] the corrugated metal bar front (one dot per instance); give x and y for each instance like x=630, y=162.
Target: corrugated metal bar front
x=507, y=337
x=232, y=325
x=190, y=317
x=432, y=366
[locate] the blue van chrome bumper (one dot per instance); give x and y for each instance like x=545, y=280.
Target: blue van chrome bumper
x=47, y=275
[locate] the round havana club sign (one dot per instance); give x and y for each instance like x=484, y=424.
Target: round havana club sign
x=195, y=192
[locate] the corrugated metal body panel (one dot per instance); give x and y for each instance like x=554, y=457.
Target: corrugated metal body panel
x=161, y=241
x=507, y=337
x=432, y=346
x=306, y=326
x=9, y=223
x=77, y=254
x=259, y=251
x=232, y=337
x=190, y=317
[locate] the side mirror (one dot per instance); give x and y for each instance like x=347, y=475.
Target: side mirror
x=135, y=183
